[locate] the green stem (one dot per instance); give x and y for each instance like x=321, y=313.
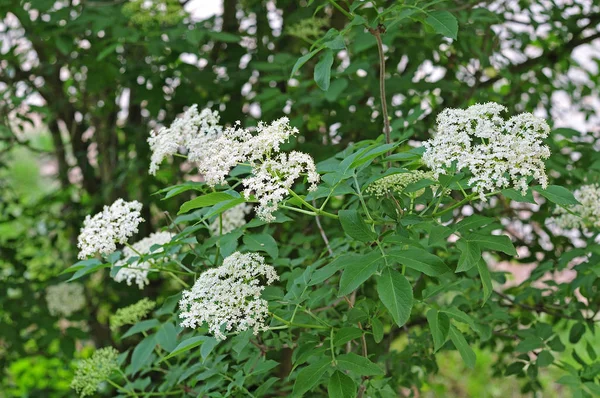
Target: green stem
x=362, y=201
x=341, y=9
x=118, y=387
x=310, y=213
x=331, y=346
x=315, y=211
x=304, y=202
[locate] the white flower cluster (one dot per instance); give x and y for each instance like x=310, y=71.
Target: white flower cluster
x=273, y=178
x=65, y=298
x=216, y=150
x=191, y=130
x=229, y=296
x=230, y=219
x=115, y=224
x=138, y=270
x=587, y=214
x=396, y=183
x=498, y=153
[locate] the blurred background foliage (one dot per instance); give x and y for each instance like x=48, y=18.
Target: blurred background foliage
x=83, y=81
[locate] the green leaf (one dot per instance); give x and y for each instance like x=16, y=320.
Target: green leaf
x=557, y=194
x=529, y=344
x=322, y=74
x=207, y=346
x=443, y=23
x=187, y=345
x=337, y=43
x=577, y=331
x=493, y=242
x=309, y=376
x=438, y=235
x=142, y=352
x=377, y=327
x=302, y=60
x=514, y=368
x=395, y=292
x=345, y=335
x=224, y=37
x=141, y=326
x=358, y=365
x=206, y=200
x=486, y=280
x=262, y=242
x=341, y=386
x=515, y=195
x=370, y=154
x=469, y=256
x=107, y=51
x=544, y=359
x=419, y=260
x=356, y=272
x=324, y=273
x=166, y=336
x=355, y=226
x=462, y=346
x=439, y=324
x=569, y=380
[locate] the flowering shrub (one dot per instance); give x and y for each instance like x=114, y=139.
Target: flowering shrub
x=339, y=247
x=392, y=251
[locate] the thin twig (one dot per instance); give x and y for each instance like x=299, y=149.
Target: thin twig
x=386, y=120
x=322, y=231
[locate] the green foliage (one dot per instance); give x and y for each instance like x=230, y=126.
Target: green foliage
x=380, y=293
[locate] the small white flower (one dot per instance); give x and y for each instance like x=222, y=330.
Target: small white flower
x=192, y=130
x=587, y=214
x=272, y=179
x=230, y=219
x=65, y=298
x=229, y=296
x=115, y=224
x=498, y=153
x=138, y=270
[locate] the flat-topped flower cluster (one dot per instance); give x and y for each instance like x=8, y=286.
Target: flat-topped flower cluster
x=498, y=153
x=216, y=150
x=64, y=299
x=228, y=297
x=114, y=224
x=585, y=215
x=138, y=270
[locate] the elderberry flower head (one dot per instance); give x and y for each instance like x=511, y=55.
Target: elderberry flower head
x=587, y=213
x=131, y=314
x=499, y=153
x=269, y=138
x=230, y=219
x=396, y=183
x=191, y=130
x=65, y=298
x=228, y=297
x=92, y=371
x=114, y=224
x=215, y=157
x=138, y=269
x=272, y=179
